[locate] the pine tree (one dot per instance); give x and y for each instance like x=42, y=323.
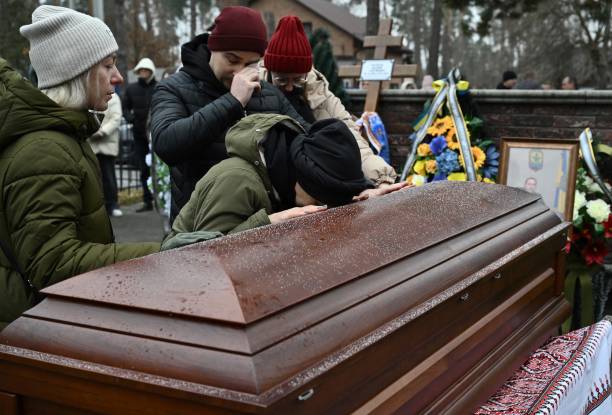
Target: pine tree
x=325, y=63
x=14, y=47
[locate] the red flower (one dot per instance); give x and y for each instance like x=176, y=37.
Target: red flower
x=594, y=253
x=586, y=234
x=608, y=227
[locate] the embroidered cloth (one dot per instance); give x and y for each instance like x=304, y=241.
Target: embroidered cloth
x=569, y=375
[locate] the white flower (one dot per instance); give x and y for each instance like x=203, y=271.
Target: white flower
x=579, y=200
x=418, y=180
x=576, y=214
x=598, y=210
x=588, y=182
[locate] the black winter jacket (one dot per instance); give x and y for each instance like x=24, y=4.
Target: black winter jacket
x=136, y=104
x=190, y=113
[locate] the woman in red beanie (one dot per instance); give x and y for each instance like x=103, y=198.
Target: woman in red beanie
x=288, y=66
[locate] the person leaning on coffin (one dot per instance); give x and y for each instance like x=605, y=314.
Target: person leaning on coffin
x=53, y=222
x=275, y=172
x=217, y=86
x=288, y=66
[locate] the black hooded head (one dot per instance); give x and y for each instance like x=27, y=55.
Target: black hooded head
x=276, y=147
x=328, y=163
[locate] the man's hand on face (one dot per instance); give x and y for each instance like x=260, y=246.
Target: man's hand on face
x=295, y=212
x=244, y=83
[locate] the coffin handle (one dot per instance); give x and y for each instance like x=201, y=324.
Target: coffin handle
x=306, y=395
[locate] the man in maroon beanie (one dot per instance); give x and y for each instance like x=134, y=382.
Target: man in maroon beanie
x=217, y=86
x=288, y=66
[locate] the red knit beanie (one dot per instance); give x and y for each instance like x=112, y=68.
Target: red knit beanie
x=238, y=28
x=289, y=50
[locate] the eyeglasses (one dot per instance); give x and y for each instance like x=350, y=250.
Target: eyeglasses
x=298, y=81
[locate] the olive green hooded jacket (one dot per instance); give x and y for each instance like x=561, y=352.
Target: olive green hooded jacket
x=235, y=194
x=52, y=214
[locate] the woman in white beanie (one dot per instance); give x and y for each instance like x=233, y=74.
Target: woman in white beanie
x=53, y=223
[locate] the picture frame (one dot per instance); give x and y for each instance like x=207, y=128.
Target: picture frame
x=542, y=165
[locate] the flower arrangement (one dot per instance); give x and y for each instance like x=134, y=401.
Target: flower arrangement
x=439, y=158
x=592, y=223
x=161, y=188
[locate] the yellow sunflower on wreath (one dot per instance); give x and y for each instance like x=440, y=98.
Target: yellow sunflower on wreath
x=440, y=126
x=423, y=150
x=479, y=158
x=451, y=139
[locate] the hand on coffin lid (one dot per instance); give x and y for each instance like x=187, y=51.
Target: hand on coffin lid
x=295, y=212
x=381, y=190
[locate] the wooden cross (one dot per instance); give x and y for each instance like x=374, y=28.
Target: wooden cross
x=380, y=42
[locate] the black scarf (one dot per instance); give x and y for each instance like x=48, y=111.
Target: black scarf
x=297, y=100
x=280, y=169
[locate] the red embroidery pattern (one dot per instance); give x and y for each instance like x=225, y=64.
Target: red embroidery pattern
x=541, y=383
x=599, y=394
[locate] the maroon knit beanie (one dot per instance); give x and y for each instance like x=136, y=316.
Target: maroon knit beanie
x=289, y=50
x=238, y=28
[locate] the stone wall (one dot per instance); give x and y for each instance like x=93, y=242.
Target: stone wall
x=541, y=114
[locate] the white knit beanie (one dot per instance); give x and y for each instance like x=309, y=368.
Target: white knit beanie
x=65, y=43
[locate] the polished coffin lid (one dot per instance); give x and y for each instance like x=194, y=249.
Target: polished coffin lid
x=253, y=317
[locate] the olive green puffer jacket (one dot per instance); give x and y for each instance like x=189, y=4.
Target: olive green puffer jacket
x=235, y=194
x=52, y=214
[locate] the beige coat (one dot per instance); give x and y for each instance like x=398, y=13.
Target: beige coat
x=109, y=143
x=325, y=104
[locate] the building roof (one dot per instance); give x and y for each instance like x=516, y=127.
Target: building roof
x=337, y=15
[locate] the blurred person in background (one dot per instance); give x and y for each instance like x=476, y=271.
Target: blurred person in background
x=529, y=81
x=427, y=83
x=105, y=145
x=136, y=105
x=509, y=80
x=569, y=83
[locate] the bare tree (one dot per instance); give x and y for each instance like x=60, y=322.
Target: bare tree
x=447, y=39
x=373, y=17
x=193, y=16
x=416, y=30
x=594, y=21
x=117, y=22
x=14, y=47
x=148, y=17
x=434, y=39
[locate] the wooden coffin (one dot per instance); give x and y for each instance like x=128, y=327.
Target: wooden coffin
x=425, y=300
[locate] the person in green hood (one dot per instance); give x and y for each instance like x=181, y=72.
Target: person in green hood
x=276, y=171
x=53, y=222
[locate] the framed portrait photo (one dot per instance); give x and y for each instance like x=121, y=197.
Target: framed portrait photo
x=544, y=166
